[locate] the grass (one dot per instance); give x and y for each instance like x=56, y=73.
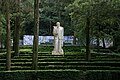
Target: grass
x=25, y=50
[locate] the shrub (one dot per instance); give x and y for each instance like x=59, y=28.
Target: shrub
x=103, y=75
x=60, y=75
x=42, y=75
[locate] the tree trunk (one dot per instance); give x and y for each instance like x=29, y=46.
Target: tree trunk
x=103, y=40
x=0, y=41
x=8, y=57
x=13, y=48
x=17, y=29
x=50, y=27
x=36, y=35
x=14, y=35
x=116, y=42
x=17, y=38
x=98, y=43
x=88, y=54
x=74, y=40
x=0, y=33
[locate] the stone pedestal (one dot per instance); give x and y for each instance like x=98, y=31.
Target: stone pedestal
x=57, y=53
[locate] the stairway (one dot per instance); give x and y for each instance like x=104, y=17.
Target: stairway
x=46, y=61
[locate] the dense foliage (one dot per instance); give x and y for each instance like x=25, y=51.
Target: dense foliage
x=63, y=74
x=103, y=14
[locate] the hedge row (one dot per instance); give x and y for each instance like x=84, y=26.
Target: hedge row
x=2, y=50
x=66, y=48
x=50, y=48
x=60, y=75
x=103, y=75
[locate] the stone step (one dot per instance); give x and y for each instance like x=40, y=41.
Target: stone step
x=60, y=60
x=63, y=68
x=66, y=56
x=2, y=68
x=41, y=53
x=115, y=64
x=79, y=67
x=49, y=55
x=39, y=57
x=43, y=60
x=80, y=55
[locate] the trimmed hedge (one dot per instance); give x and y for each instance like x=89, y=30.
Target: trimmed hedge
x=50, y=48
x=60, y=75
x=42, y=75
x=2, y=50
x=103, y=75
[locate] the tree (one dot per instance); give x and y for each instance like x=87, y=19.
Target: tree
x=2, y=25
x=17, y=28
x=22, y=14
x=88, y=54
x=2, y=34
x=51, y=12
x=81, y=12
x=106, y=20
x=36, y=34
x=8, y=41
x=94, y=14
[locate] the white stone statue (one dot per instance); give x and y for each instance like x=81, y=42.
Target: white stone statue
x=58, y=33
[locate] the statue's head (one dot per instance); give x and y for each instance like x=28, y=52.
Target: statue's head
x=58, y=24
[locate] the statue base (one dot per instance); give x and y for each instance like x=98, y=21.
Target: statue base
x=57, y=53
